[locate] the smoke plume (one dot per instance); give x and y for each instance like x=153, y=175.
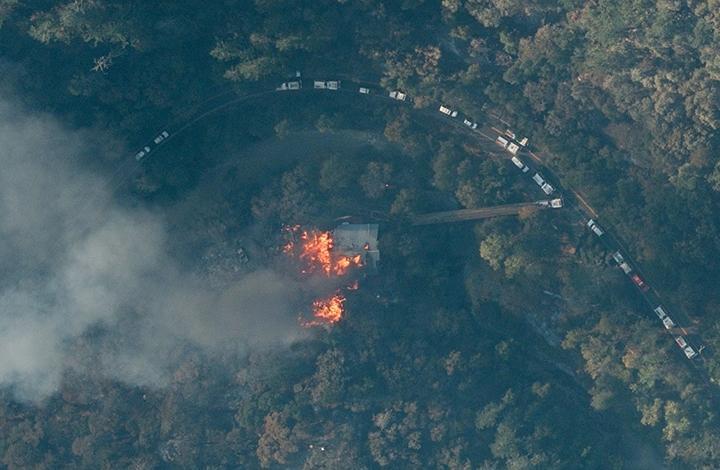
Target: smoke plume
x=79, y=268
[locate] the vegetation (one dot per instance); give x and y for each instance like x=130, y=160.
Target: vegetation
x=510, y=344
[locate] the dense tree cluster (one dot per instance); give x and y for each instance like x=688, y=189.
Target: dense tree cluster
x=436, y=364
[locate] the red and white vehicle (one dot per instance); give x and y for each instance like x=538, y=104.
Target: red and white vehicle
x=638, y=281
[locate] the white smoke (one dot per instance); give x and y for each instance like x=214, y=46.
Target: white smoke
x=74, y=261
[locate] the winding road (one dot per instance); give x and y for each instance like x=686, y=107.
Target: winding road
x=485, y=131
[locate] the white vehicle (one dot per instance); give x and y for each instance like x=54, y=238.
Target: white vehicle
x=547, y=189
x=556, y=203
x=524, y=141
x=689, y=352
x=319, y=85
x=364, y=91
x=625, y=267
x=398, y=95
x=660, y=312
x=518, y=163
x=595, y=228
x=333, y=84
x=538, y=179
x=448, y=111
x=680, y=341
x=141, y=154
x=510, y=133
x=668, y=323
x=470, y=124
x=501, y=141
x=289, y=86
x=513, y=148
x=162, y=136
x=618, y=257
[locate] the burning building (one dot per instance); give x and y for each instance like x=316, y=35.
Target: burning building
x=334, y=254
x=352, y=240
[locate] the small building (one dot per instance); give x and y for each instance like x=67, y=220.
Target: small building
x=358, y=239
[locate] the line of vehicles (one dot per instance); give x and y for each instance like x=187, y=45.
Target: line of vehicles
x=508, y=141
x=640, y=283
x=143, y=152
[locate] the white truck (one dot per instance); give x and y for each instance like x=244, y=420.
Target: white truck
x=162, y=136
x=447, y=111
x=513, y=148
x=668, y=323
x=502, y=141
x=547, y=189
x=660, y=312
x=470, y=124
x=142, y=153
x=398, y=95
x=296, y=85
x=364, y=91
x=618, y=257
x=524, y=141
x=323, y=85
x=595, y=228
x=519, y=163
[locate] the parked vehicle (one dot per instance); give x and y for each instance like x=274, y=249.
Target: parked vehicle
x=448, y=111
x=296, y=85
x=595, y=228
x=333, y=85
x=142, y=153
x=556, y=203
x=513, y=148
x=470, y=124
x=689, y=352
x=502, y=141
x=518, y=163
x=524, y=141
x=639, y=282
x=364, y=91
x=547, y=189
x=510, y=133
x=618, y=257
x=319, y=85
x=625, y=267
x=398, y=95
x=668, y=323
x=660, y=312
x=162, y=136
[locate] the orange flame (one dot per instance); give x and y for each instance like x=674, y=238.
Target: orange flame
x=316, y=250
x=327, y=311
